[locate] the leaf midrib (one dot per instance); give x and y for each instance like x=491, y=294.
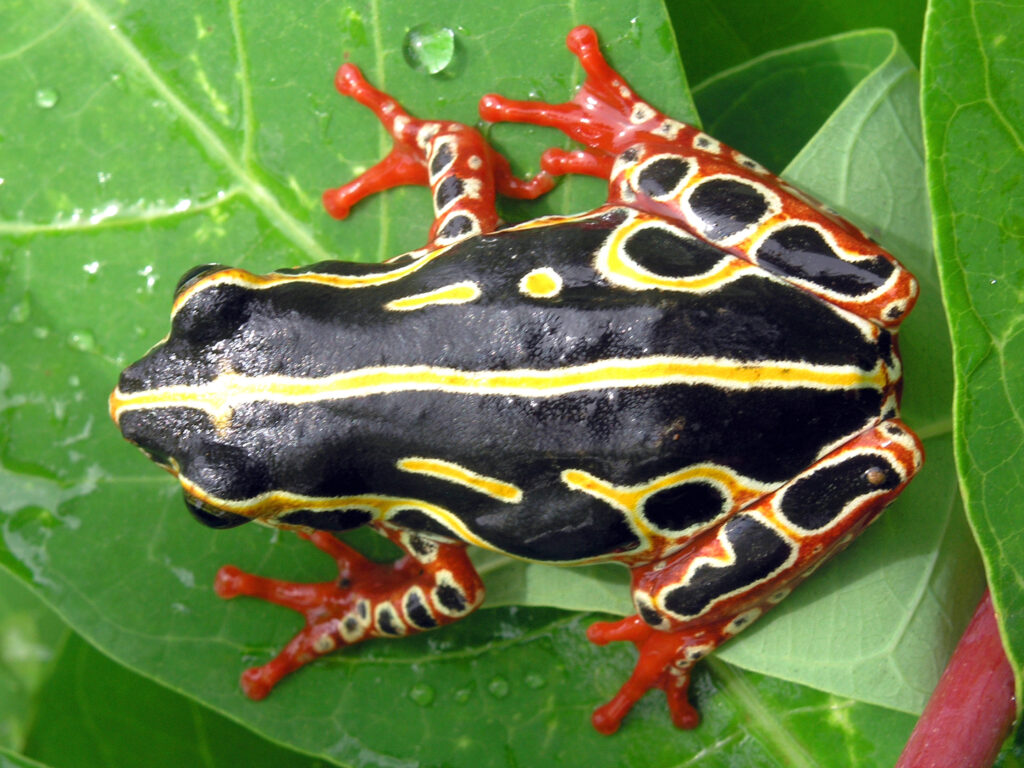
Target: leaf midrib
x=215, y=148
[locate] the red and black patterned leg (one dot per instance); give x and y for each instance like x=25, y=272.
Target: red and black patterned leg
x=462, y=170
x=432, y=585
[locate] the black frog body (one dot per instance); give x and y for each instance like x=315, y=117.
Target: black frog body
x=408, y=379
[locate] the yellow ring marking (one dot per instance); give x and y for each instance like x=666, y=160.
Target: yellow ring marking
x=223, y=394
x=246, y=279
x=542, y=283
x=455, y=473
x=630, y=498
x=456, y=293
x=614, y=264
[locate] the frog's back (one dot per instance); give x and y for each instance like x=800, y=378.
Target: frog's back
x=569, y=390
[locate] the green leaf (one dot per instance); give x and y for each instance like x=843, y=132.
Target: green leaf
x=715, y=35
x=30, y=636
x=139, y=140
x=974, y=116
x=12, y=760
x=87, y=700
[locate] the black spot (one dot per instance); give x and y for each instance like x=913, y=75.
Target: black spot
x=363, y=609
x=650, y=616
x=451, y=598
x=417, y=612
x=421, y=546
x=682, y=506
x=351, y=624
x=630, y=155
x=894, y=312
x=328, y=519
x=447, y=191
x=212, y=516
x=387, y=623
x=662, y=176
x=814, y=501
x=442, y=158
x=800, y=251
x=759, y=552
x=885, y=347
x=417, y=521
x=727, y=206
x=455, y=227
x=703, y=142
x=669, y=254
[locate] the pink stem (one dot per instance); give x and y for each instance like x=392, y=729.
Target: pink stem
x=972, y=708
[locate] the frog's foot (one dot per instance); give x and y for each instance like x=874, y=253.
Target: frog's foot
x=460, y=167
x=665, y=662
x=605, y=114
x=433, y=585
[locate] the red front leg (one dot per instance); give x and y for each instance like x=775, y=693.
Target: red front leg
x=432, y=585
x=462, y=170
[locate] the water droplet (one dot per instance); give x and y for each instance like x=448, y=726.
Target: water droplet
x=463, y=695
x=422, y=694
x=19, y=312
x=534, y=681
x=47, y=98
x=498, y=687
x=41, y=332
x=429, y=48
x=92, y=267
x=83, y=341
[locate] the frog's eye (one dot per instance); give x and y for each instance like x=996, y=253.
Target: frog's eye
x=194, y=275
x=212, y=516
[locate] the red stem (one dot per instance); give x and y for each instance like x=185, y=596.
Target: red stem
x=972, y=708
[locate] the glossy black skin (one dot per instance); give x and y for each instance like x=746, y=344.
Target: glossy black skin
x=625, y=435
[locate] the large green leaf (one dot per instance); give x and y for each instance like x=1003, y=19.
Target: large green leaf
x=718, y=34
x=974, y=120
x=141, y=139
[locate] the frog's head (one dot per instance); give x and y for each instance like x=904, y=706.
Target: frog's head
x=176, y=403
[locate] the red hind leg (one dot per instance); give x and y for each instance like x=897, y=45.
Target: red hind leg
x=433, y=585
x=729, y=576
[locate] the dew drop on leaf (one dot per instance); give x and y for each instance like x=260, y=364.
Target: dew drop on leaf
x=83, y=341
x=462, y=695
x=429, y=48
x=422, y=694
x=498, y=687
x=534, y=680
x=47, y=98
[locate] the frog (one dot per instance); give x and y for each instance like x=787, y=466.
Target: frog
x=698, y=380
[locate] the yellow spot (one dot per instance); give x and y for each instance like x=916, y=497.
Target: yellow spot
x=541, y=283
x=455, y=473
x=456, y=293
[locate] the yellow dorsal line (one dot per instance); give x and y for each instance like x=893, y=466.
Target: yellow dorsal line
x=248, y=280
x=456, y=293
x=455, y=473
x=230, y=390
